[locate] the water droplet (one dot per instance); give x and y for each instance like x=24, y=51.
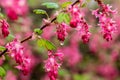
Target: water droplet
x=61, y=43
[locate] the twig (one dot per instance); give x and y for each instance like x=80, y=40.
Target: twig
x=44, y=26
x=99, y=2
x=3, y=52
x=75, y=3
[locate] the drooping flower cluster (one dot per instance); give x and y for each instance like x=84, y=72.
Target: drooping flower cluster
x=4, y=26
x=16, y=52
x=107, y=25
x=78, y=21
x=13, y=8
x=61, y=31
x=52, y=65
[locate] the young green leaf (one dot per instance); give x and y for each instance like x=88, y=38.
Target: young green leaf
x=2, y=15
x=2, y=48
x=50, y=45
x=63, y=17
x=51, y=5
x=45, y=43
x=67, y=18
x=39, y=11
x=66, y=4
x=10, y=37
x=62, y=72
x=2, y=72
x=38, y=31
x=84, y=4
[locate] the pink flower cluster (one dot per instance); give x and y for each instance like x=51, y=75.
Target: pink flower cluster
x=72, y=55
x=77, y=21
x=13, y=8
x=16, y=52
x=4, y=26
x=107, y=25
x=108, y=71
x=61, y=31
x=52, y=65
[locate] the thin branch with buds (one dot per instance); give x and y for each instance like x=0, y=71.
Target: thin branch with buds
x=44, y=26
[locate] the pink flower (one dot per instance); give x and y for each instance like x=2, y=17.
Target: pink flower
x=72, y=55
x=61, y=31
x=17, y=53
x=13, y=8
x=11, y=14
x=114, y=55
x=85, y=38
x=108, y=71
x=10, y=76
x=107, y=9
x=107, y=25
x=4, y=26
x=78, y=22
x=107, y=36
x=52, y=65
x=73, y=23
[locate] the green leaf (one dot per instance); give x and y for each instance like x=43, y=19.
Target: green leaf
x=2, y=72
x=10, y=37
x=38, y=31
x=84, y=4
x=63, y=17
x=2, y=48
x=39, y=11
x=2, y=15
x=63, y=72
x=65, y=4
x=45, y=43
x=51, y=5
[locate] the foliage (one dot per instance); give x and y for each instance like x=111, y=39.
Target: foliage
x=2, y=72
x=59, y=40
x=46, y=44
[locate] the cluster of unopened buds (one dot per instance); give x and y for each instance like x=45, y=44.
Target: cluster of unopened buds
x=61, y=31
x=4, y=28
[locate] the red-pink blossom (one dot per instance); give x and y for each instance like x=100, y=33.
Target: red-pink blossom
x=52, y=65
x=10, y=75
x=78, y=22
x=16, y=52
x=107, y=25
x=114, y=55
x=71, y=55
x=13, y=8
x=61, y=31
x=4, y=26
x=108, y=71
x=11, y=14
x=73, y=23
